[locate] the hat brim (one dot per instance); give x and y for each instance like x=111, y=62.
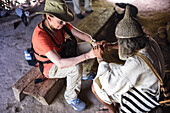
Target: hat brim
x=68, y=17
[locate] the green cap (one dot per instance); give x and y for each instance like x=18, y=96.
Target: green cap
x=59, y=9
x=128, y=27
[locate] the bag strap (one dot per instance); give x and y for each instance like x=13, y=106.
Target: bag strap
x=67, y=30
x=41, y=62
x=45, y=29
x=41, y=70
x=36, y=52
x=148, y=62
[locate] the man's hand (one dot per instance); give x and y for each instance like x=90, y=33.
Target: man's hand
x=90, y=54
x=103, y=43
x=98, y=51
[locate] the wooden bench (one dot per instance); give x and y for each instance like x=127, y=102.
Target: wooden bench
x=46, y=91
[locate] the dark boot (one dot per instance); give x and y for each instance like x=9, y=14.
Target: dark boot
x=80, y=16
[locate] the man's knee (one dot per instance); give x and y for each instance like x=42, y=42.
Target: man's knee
x=77, y=69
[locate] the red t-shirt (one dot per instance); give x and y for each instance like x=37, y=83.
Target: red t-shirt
x=42, y=44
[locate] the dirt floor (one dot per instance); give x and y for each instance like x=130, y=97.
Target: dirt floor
x=153, y=14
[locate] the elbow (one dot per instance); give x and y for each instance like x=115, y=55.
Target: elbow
x=60, y=65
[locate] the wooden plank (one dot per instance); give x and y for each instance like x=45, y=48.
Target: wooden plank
x=50, y=94
x=45, y=91
x=23, y=82
x=93, y=23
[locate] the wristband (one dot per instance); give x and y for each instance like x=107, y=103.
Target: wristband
x=100, y=60
x=92, y=41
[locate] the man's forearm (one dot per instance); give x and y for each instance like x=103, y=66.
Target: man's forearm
x=68, y=62
x=81, y=35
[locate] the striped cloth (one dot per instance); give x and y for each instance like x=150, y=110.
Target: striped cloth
x=135, y=101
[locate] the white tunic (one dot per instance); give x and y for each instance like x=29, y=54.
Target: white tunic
x=114, y=81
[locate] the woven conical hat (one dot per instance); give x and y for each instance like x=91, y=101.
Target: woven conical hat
x=128, y=27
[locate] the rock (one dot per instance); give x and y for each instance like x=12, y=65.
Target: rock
x=163, y=43
x=168, y=31
x=162, y=32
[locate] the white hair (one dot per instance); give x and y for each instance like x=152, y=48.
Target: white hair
x=128, y=46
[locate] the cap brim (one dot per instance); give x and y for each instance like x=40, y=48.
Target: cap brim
x=68, y=17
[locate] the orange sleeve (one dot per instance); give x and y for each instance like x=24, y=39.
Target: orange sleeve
x=42, y=43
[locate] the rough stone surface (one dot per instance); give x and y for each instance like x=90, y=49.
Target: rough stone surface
x=162, y=32
x=152, y=15
x=168, y=31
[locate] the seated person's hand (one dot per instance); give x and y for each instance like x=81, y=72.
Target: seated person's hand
x=102, y=43
x=90, y=54
x=98, y=51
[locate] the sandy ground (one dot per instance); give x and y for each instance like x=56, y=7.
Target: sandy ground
x=152, y=15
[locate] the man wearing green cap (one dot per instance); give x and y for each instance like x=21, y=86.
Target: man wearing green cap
x=48, y=42
x=132, y=87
